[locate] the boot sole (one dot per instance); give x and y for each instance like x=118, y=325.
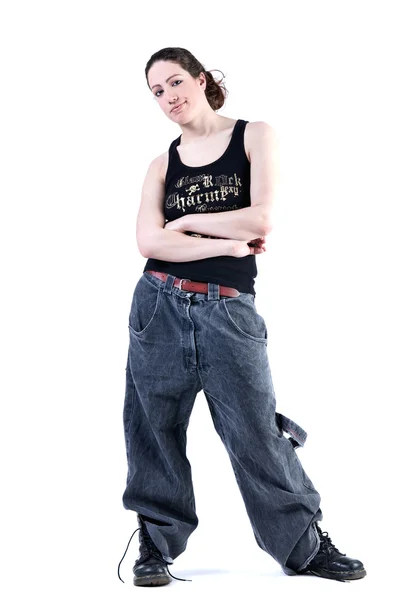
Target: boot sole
x=340, y=575
x=157, y=579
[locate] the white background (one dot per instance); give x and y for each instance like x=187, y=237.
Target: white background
x=79, y=128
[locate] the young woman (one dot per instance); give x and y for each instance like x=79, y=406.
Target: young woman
x=193, y=325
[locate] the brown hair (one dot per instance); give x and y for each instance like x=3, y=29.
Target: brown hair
x=215, y=91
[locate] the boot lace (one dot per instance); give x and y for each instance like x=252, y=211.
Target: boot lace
x=147, y=548
x=326, y=542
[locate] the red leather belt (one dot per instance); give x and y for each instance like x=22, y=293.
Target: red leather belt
x=196, y=286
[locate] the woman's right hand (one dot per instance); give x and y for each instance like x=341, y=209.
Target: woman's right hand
x=242, y=248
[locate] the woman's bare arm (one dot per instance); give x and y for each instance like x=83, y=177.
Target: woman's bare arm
x=154, y=241
x=174, y=246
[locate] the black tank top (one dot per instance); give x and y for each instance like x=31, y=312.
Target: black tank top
x=221, y=185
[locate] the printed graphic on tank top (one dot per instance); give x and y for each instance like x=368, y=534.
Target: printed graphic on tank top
x=219, y=186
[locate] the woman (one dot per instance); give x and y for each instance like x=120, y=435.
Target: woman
x=193, y=326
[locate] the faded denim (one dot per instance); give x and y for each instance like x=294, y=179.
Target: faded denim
x=179, y=344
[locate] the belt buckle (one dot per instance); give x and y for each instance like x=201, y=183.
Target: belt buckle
x=180, y=283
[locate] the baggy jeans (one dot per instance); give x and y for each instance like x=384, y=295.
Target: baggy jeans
x=179, y=344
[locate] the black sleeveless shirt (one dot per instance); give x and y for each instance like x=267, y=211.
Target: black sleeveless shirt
x=221, y=185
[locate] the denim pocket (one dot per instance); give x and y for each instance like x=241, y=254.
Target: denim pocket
x=145, y=305
x=242, y=314
x=129, y=403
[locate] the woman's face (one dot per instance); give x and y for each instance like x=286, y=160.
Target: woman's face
x=171, y=86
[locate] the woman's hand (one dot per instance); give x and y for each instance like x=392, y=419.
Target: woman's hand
x=256, y=246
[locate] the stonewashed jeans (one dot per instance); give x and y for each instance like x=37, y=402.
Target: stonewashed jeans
x=179, y=344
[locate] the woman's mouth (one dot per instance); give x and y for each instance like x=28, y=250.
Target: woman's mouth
x=178, y=108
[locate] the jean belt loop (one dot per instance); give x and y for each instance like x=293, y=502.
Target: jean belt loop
x=213, y=291
x=169, y=284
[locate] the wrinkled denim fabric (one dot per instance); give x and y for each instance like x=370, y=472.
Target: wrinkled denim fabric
x=179, y=344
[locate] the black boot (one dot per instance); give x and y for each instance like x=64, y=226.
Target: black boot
x=150, y=568
x=332, y=564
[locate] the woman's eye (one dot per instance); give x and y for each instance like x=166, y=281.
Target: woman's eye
x=176, y=81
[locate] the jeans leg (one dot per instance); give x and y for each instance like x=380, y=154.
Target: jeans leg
x=280, y=499
x=159, y=397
